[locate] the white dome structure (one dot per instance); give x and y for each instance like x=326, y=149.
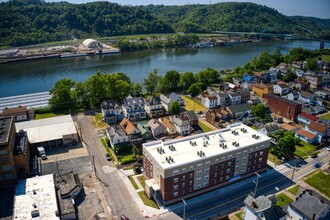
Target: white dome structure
x=92, y=44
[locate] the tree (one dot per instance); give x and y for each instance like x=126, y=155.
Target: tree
x=194, y=89
x=62, y=97
x=152, y=81
x=175, y=108
x=265, y=61
x=289, y=77
x=311, y=64
x=170, y=82
x=208, y=76
x=286, y=146
x=136, y=90
x=96, y=89
x=259, y=110
x=186, y=80
x=277, y=56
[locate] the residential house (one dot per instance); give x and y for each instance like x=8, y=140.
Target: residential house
x=210, y=101
x=303, y=84
x=224, y=99
x=247, y=85
x=288, y=127
x=224, y=86
x=282, y=106
x=297, y=64
x=259, y=75
x=308, y=206
x=133, y=108
x=307, y=97
x=272, y=74
x=182, y=126
x=245, y=95
x=306, y=136
x=134, y=134
x=217, y=116
x=154, y=107
x=175, y=97
x=239, y=110
x=269, y=129
x=261, y=89
x=293, y=96
x=157, y=128
x=319, y=129
x=145, y=130
x=20, y=113
x=262, y=208
x=117, y=136
x=237, y=81
x=281, y=89
x=166, y=102
x=232, y=87
x=111, y=111
x=192, y=117
x=170, y=127
x=306, y=118
x=295, y=85
x=235, y=98
x=314, y=81
x=283, y=66
x=249, y=78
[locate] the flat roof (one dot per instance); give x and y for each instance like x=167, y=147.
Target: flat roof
x=5, y=127
x=213, y=143
x=47, y=129
x=36, y=194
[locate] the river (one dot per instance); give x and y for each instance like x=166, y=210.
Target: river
x=40, y=75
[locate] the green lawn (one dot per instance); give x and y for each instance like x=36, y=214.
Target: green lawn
x=133, y=182
x=320, y=181
x=283, y=200
x=274, y=159
x=326, y=116
x=128, y=168
x=191, y=104
x=294, y=190
x=326, y=58
x=141, y=180
x=239, y=215
x=204, y=127
x=46, y=115
x=147, y=201
x=304, y=149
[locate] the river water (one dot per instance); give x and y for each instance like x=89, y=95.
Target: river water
x=40, y=75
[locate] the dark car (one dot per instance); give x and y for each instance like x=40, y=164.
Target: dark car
x=314, y=156
x=107, y=156
x=123, y=217
x=317, y=165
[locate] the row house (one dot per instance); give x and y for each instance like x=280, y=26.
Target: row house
x=157, y=128
x=319, y=129
x=154, y=107
x=145, y=130
x=182, y=125
x=131, y=131
x=111, y=111
x=217, y=116
x=134, y=109
x=269, y=129
x=303, y=84
x=166, y=102
x=306, y=118
x=261, y=89
x=191, y=116
x=246, y=85
x=283, y=107
x=175, y=97
x=169, y=125
x=239, y=110
x=245, y=95
x=307, y=97
x=305, y=136
x=298, y=64
x=281, y=89
x=210, y=101
x=224, y=99
x=314, y=81
x=235, y=98
x=293, y=96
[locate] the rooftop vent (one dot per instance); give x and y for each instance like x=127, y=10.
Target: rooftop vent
x=35, y=213
x=34, y=192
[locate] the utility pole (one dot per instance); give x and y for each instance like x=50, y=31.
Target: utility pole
x=256, y=182
x=294, y=169
x=184, y=209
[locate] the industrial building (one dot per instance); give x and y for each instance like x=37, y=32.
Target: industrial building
x=50, y=132
x=196, y=164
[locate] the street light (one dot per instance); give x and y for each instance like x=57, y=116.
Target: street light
x=184, y=209
x=256, y=182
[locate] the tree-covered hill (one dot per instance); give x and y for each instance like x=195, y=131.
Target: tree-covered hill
x=33, y=21
x=233, y=16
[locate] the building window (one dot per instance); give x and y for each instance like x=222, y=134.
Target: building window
x=183, y=191
x=198, y=180
x=217, y=160
x=3, y=152
x=229, y=163
x=207, y=170
x=244, y=152
x=199, y=173
x=183, y=184
x=190, y=182
x=207, y=163
x=244, y=158
x=9, y=176
x=230, y=156
x=190, y=189
x=241, y=172
x=175, y=180
x=175, y=194
x=191, y=168
x=205, y=184
x=215, y=174
x=243, y=165
x=206, y=177
x=183, y=177
x=6, y=168
x=236, y=167
x=223, y=158
x=237, y=161
x=175, y=172
x=238, y=154
x=214, y=182
x=198, y=186
x=175, y=187
x=228, y=170
x=183, y=170
x=199, y=166
x=261, y=153
x=236, y=174
x=260, y=159
x=227, y=177
x=191, y=175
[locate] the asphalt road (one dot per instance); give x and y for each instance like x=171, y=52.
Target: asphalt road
x=228, y=199
x=118, y=197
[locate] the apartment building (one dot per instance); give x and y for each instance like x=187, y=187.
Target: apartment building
x=7, y=143
x=196, y=164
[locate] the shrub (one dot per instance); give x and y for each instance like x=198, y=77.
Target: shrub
x=127, y=159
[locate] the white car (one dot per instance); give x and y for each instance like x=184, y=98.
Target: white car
x=328, y=148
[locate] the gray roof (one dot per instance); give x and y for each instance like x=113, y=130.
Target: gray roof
x=177, y=120
x=239, y=108
x=244, y=92
x=223, y=95
x=154, y=100
x=260, y=204
x=116, y=131
x=174, y=97
x=272, y=127
x=109, y=104
x=129, y=101
x=165, y=99
x=192, y=115
x=309, y=203
x=154, y=124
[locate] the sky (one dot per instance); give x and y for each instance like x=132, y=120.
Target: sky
x=313, y=8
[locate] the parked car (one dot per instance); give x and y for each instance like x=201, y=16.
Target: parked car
x=314, y=156
x=328, y=148
x=123, y=217
x=317, y=165
x=107, y=156
x=42, y=153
